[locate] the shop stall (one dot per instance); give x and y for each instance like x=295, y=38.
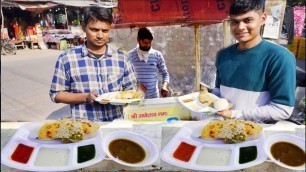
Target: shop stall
x=21, y=19
x=184, y=13
x=44, y=24
x=161, y=138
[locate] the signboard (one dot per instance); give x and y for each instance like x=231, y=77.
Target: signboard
x=275, y=10
x=163, y=109
x=167, y=12
x=272, y=27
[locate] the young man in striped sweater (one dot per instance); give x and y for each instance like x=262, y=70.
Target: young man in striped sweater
x=147, y=63
x=257, y=76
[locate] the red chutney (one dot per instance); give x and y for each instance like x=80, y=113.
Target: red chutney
x=184, y=152
x=22, y=153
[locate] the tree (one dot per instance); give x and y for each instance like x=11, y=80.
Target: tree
x=293, y=3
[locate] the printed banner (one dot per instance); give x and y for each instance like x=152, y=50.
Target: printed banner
x=271, y=29
x=165, y=12
x=157, y=114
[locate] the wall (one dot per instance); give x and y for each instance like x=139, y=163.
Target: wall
x=177, y=45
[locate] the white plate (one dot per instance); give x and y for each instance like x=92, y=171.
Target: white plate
x=300, y=142
x=110, y=97
x=27, y=135
x=190, y=133
x=195, y=105
x=105, y=98
x=152, y=152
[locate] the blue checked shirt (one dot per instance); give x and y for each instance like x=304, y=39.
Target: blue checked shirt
x=78, y=71
x=147, y=72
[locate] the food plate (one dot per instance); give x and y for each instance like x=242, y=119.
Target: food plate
x=191, y=102
x=151, y=150
x=298, y=141
x=110, y=97
x=49, y=155
x=211, y=155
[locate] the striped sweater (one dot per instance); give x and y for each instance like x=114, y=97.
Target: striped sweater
x=147, y=72
x=260, y=81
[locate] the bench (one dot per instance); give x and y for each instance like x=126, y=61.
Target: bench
x=18, y=43
x=31, y=44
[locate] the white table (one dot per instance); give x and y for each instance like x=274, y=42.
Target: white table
x=160, y=133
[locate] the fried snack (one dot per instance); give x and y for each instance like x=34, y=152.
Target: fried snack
x=205, y=98
x=212, y=130
x=252, y=128
x=231, y=131
x=69, y=130
x=89, y=126
x=129, y=94
x=49, y=130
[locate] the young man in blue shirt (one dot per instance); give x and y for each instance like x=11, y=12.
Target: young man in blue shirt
x=257, y=76
x=92, y=69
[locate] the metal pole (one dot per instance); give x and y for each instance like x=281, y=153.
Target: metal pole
x=227, y=38
x=2, y=26
x=66, y=17
x=78, y=14
x=197, y=56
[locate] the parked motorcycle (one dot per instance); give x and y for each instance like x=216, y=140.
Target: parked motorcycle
x=7, y=47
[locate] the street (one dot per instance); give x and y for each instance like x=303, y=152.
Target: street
x=25, y=84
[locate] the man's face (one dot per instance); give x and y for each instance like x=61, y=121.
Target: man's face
x=246, y=27
x=97, y=33
x=144, y=44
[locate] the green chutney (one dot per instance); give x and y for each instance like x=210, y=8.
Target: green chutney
x=247, y=154
x=86, y=153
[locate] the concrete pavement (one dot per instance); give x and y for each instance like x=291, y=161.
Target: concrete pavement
x=25, y=84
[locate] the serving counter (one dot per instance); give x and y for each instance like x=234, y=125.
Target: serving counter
x=159, y=133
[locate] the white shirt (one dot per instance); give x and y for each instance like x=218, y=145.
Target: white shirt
x=143, y=55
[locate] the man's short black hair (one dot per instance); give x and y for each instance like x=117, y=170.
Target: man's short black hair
x=98, y=13
x=145, y=33
x=244, y=6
